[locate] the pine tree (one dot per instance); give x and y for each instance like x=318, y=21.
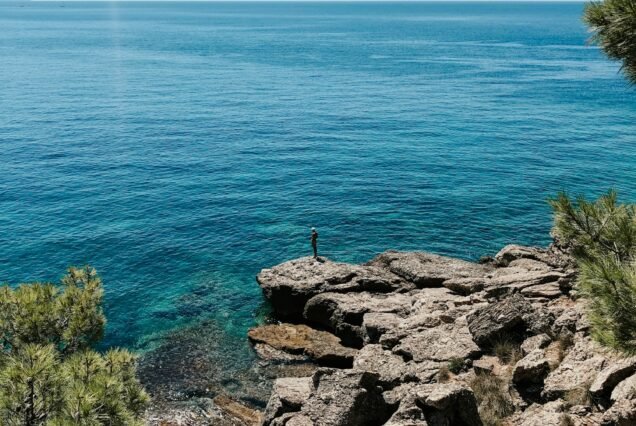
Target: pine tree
x=602, y=238
x=613, y=23
x=48, y=373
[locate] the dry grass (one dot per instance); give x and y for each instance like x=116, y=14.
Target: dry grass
x=578, y=396
x=493, y=397
x=443, y=375
x=564, y=342
x=566, y=420
x=508, y=351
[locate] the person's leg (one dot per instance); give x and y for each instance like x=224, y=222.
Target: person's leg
x=315, y=251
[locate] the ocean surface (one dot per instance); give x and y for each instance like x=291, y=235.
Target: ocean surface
x=181, y=147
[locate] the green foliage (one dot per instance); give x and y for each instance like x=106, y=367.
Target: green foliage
x=595, y=229
x=455, y=365
x=71, y=319
x=602, y=236
x=48, y=374
x=613, y=23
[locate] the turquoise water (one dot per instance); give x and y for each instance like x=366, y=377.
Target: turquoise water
x=180, y=147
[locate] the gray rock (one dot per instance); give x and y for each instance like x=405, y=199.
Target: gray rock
x=531, y=369
x=345, y=398
x=506, y=281
x=549, y=290
x=510, y=317
x=375, y=324
x=566, y=322
x=577, y=370
x=611, y=376
x=465, y=286
x=539, y=341
x=288, y=395
x=391, y=368
x=448, y=404
x=343, y=312
x=408, y=412
x=290, y=285
x=550, y=414
x=622, y=413
x=426, y=269
x=626, y=389
x=484, y=365
x=433, y=405
x=512, y=252
x=441, y=343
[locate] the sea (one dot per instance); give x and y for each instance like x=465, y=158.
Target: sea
x=180, y=147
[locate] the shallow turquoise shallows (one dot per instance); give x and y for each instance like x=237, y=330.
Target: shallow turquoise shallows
x=180, y=147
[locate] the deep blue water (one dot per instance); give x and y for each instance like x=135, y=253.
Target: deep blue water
x=180, y=147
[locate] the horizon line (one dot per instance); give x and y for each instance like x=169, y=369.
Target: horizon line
x=295, y=1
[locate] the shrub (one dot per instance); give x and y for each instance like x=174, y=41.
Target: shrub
x=493, y=397
x=48, y=373
x=602, y=238
x=455, y=365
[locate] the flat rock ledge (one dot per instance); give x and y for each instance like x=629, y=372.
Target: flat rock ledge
x=409, y=339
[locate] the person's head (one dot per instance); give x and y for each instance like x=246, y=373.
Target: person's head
x=313, y=229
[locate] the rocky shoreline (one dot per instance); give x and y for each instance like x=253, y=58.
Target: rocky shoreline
x=414, y=339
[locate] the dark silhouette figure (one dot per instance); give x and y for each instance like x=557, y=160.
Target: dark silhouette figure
x=314, y=242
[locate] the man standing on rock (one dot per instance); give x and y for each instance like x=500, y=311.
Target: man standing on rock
x=314, y=242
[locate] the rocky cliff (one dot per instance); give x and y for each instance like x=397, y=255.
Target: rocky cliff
x=414, y=339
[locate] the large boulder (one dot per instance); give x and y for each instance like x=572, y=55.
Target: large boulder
x=345, y=398
x=531, y=369
x=440, y=404
x=626, y=389
x=392, y=368
x=442, y=343
x=622, y=413
x=376, y=324
x=343, y=312
x=611, y=376
x=448, y=404
x=288, y=395
x=578, y=370
x=538, y=341
x=427, y=269
x=321, y=346
x=290, y=285
x=512, y=318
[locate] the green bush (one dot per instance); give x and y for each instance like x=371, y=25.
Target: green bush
x=613, y=23
x=602, y=238
x=456, y=365
x=48, y=373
